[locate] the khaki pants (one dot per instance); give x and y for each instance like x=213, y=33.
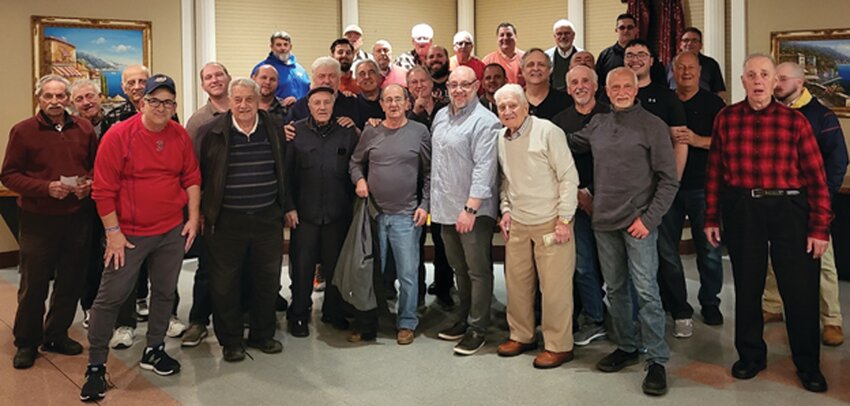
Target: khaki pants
x=528, y=260
x=830, y=307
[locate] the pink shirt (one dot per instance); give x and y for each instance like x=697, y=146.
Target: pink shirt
x=511, y=65
x=397, y=75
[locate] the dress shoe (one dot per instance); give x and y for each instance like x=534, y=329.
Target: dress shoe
x=25, y=357
x=770, y=317
x=618, y=360
x=356, y=337
x=299, y=328
x=267, y=346
x=405, y=336
x=812, y=381
x=747, y=370
x=280, y=304
x=833, y=336
x=339, y=323
x=432, y=288
x=655, y=383
x=233, y=353
x=64, y=346
x=712, y=316
x=511, y=348
x=550, y=359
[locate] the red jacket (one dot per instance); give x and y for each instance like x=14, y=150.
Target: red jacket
x=143, y=176
x=39, y=153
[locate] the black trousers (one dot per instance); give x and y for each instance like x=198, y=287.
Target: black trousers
x=315, y=244
x=257, y=238
x=51, y=247
x=444, y=276
x=775, y=226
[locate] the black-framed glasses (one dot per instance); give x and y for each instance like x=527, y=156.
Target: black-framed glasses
x=155, y=103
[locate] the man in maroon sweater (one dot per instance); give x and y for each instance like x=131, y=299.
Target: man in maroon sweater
x=48, y=162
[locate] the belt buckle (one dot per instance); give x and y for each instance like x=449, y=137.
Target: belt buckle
x=757, y=193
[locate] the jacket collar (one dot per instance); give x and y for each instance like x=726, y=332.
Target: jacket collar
x=45, y=121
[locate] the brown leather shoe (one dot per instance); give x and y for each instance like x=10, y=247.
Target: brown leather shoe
x=404, y=336
x=833, y=336
x=770, y=317
x=511, y=348
x=549, y=359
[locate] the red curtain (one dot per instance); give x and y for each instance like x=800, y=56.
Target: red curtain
x=642, y=10
x=671, y=29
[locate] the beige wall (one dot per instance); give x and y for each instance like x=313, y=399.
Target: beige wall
x=16, y=44
x=765, y=16
x=533, y=24
x=600, y=18
x=392, y=21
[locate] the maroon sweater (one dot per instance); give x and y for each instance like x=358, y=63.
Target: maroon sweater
x=38, y=153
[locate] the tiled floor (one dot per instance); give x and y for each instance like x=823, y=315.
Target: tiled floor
x=326, y=370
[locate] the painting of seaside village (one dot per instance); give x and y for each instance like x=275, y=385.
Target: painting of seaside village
x=825, y=58
x=91, y=49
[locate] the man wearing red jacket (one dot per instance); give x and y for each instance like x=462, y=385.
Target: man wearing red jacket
x=45, y=154
x=145, y=175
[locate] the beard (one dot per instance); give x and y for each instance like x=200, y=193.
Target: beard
x=284, y=57
x=345, y=66
x=441, y=72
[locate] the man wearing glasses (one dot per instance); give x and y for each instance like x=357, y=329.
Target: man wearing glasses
x=145, y=176
x=463, y=45
x=614, y=56
x=561, y=54
x=464, y=195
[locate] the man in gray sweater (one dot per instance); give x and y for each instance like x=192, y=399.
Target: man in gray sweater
x=634, y=183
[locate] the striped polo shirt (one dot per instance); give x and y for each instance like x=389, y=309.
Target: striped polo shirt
x=251, y=182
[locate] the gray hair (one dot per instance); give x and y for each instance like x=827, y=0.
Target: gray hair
x=756, y=56
x=619, y=70
x=383, y=42
x=280, y=35
x=244, y=82
x=796, y=70
x=528, y=53
x=366, y=61
x=143, y=68
x=562, y=23
x=39, y=86
x=592, y=73
x=511, y=89
x=682, y=55
x=79, y=84
x=326, y=62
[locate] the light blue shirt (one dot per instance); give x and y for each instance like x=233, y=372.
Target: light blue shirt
x=464, y=162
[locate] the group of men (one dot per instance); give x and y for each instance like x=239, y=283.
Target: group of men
x=588, y=169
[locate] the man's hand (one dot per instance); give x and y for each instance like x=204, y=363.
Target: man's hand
x=292, y=219
x=465, y=222
x=57, y=190
x=505, y=226
x=419, y=217
x=362, y=188
x=83, y=190
x=289, y=131
x=683, y=135
x=347, y=93
x=374, y=122
x=190, y=231
x=585, y=201
x=563, y=232
x=637, y=229
x=288, y=101
x=345, y=122
x=816, y=247
x=115, y=244
x=713, y=236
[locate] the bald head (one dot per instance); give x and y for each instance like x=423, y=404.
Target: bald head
x=462, y=86
x=583, y=58
x=790, y=82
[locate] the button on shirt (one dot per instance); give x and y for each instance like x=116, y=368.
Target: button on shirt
x=464, y=161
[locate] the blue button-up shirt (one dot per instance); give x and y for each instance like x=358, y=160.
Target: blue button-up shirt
x=464, y=162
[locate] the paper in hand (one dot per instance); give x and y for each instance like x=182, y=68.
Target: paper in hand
x=69, y=180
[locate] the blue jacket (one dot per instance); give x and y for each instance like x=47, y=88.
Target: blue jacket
x=291, y=76
x=830, y=138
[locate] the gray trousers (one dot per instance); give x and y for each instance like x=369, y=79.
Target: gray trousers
x=471, y=257
x=164, y=253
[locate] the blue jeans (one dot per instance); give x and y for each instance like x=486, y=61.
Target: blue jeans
x=624, y=258
x=671, y=276
x=402, y=231
x=587, y=280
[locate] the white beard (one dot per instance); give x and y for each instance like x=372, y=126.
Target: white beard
x=283, y=57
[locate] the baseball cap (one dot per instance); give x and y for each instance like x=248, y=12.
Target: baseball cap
x=157, y=81
x=352, y=28
x=420, y=31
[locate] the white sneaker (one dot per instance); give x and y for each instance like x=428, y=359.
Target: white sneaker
x=683, y=328
x=85, y=319
x=175, y=327
x=122, y=338
x=142, y=310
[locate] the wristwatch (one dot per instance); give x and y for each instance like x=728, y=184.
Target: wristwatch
x=470, y=210
x=565, y=221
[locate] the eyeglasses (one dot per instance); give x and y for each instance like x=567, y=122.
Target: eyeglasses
x=639, y=55
x=155, y=103
x=462, y=85
x=463, y=44
x=625, y=27
x=391, y=100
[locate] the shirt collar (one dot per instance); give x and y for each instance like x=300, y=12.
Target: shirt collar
x=565, y=54
x=804, y=99
x=465, y=111
x=523, y=128
x=239, y=129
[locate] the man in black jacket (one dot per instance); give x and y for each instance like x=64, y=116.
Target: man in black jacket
x=318, y=206
x=242, y=167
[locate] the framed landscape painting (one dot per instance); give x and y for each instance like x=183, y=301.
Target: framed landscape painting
x=86, y=48
x=825, y=58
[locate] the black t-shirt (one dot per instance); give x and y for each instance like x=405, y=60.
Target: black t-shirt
x=662, y=102
x=700, y=111
x=440, y=92
x=370, y=108
x=344, y=106
x=554, y=103
x=570, y=120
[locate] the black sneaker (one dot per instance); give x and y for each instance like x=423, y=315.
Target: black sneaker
x=298, y=328
x=711, y=315
x=655, y=383
x=25, y=357
x=470, y=344
x=268, y=346
x=157, y=360
x=94, y=388
x=233, y=353
x=455, y=332
x=64, y=346
x=617, y=360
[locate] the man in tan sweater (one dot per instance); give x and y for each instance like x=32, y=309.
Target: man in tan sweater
x=539, y=182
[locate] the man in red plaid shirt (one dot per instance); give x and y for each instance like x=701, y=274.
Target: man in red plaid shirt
x=766, y=181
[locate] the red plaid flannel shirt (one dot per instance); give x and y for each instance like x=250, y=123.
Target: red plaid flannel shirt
x=772, y=148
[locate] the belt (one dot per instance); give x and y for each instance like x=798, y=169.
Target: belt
x=760, y=193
